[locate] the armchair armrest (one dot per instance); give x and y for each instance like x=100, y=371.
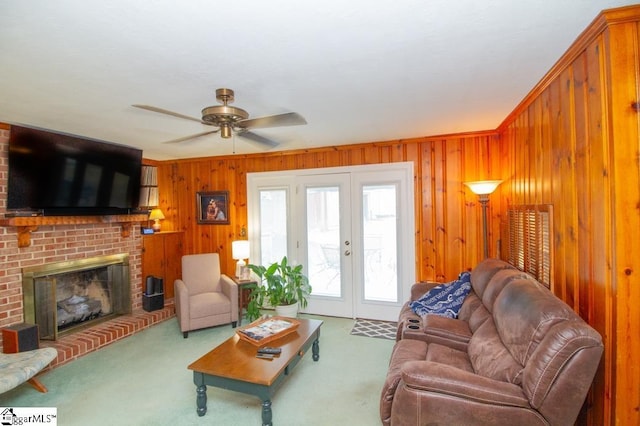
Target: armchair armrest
x=440, y=378
x=181, y=295
x=230, y=289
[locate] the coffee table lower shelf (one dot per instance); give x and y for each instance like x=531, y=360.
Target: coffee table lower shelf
x=233, y=365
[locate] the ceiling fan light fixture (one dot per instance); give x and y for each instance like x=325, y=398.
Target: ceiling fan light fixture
x=225, y=131
x=222, y=114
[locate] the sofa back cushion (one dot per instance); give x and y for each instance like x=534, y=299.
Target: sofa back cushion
x=498, y=282
x=470, y=304
x=524, y=312
x=490, y=357
x=482, y=273
x=478, y=317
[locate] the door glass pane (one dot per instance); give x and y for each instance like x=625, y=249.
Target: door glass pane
x=273, y=225
x=380, y=242
x=323, y=240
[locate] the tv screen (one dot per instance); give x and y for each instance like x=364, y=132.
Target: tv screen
x=59, y=174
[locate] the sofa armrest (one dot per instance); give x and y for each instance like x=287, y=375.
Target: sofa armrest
x=440, y=378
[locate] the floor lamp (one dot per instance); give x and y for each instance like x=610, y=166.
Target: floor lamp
x=482, y=189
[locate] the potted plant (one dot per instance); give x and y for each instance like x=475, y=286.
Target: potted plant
x=283, y=285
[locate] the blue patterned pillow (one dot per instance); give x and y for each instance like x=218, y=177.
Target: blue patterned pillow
x=444, y=299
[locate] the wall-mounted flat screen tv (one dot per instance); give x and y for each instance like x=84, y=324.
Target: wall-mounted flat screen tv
x=57, y=174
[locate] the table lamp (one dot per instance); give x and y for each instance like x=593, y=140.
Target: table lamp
x=240, y=252
x=156, y=215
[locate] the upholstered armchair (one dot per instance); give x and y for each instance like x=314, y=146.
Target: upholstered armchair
x=204, y=297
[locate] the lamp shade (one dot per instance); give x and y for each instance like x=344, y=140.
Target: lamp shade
x=156, y=214
x=240, y=249
x=483, y=187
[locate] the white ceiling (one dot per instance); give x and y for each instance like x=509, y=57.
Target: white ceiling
x=357, y=70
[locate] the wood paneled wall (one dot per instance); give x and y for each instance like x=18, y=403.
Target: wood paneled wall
x=574, y=143
x=448, y=216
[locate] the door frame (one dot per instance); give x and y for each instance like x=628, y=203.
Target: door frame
x=287, y=178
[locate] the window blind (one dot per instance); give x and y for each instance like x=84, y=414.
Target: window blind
x=530, y=228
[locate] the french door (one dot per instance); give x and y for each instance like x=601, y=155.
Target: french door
x=352, y=228
x=323, y=203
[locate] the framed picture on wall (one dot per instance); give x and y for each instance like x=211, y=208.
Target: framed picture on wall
x=213, y=207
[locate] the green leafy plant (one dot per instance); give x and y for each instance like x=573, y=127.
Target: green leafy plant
x=282, y=284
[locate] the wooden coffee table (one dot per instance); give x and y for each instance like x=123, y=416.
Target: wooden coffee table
x=233, y=365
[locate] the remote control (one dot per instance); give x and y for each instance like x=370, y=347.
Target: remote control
x=265, y=356
x=270, y=350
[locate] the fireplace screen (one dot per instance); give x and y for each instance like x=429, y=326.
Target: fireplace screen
x=62, y=296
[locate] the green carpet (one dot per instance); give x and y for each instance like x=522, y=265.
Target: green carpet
x=143, y=380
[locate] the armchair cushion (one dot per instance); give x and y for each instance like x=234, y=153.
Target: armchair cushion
x=209, y=304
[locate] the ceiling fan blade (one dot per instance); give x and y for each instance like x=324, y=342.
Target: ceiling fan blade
x=286, y=119
x=197, y=135
x=165, y=111
x=257, y=138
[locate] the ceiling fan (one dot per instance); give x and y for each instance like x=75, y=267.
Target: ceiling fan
x=230, y=120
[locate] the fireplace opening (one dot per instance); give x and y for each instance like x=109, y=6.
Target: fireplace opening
x=64, y=296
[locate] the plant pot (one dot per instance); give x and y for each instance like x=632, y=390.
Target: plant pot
x=289, y=311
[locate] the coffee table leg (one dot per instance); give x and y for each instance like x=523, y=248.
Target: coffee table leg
x=316, y=349
x=266, y=413
x=201, y=400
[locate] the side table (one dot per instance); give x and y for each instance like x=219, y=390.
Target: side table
x=244, y=290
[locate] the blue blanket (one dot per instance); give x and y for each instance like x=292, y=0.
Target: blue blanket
x=444, y=299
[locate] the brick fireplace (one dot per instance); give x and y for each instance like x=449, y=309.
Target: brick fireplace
x=63, y=297
x=63, y=243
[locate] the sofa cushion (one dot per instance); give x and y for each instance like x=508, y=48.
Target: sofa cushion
x=482, y=273
x=489, y=356
x=478, y=317
x=449, y=356
x=524, y=313
x=470, y=304
x=498, y=282
x=445, y=299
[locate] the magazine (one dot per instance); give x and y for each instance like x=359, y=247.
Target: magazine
x=265, y=330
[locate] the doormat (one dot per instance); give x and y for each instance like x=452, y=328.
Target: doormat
x=375, y=328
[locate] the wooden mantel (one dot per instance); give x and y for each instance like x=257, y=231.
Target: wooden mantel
x=27, y=224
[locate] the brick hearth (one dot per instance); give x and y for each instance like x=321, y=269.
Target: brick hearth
x=91, y=339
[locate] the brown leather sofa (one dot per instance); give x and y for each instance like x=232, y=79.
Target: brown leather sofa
x=516, y=354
